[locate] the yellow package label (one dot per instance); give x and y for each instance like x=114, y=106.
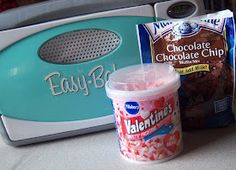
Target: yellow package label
x=193, y=69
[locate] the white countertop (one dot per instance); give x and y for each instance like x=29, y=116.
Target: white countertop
x=206, y=149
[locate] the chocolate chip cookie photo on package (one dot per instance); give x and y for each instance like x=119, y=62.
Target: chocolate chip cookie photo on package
x=202, y=50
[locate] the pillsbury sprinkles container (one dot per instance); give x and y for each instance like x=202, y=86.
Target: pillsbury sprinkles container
x=146, y=108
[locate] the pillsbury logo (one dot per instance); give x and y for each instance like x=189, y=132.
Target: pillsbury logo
x=186, y=28
x=132, y=107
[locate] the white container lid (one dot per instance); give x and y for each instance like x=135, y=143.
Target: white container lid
x=143, y=80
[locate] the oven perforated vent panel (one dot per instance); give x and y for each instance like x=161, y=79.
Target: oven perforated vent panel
x=79, y=46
